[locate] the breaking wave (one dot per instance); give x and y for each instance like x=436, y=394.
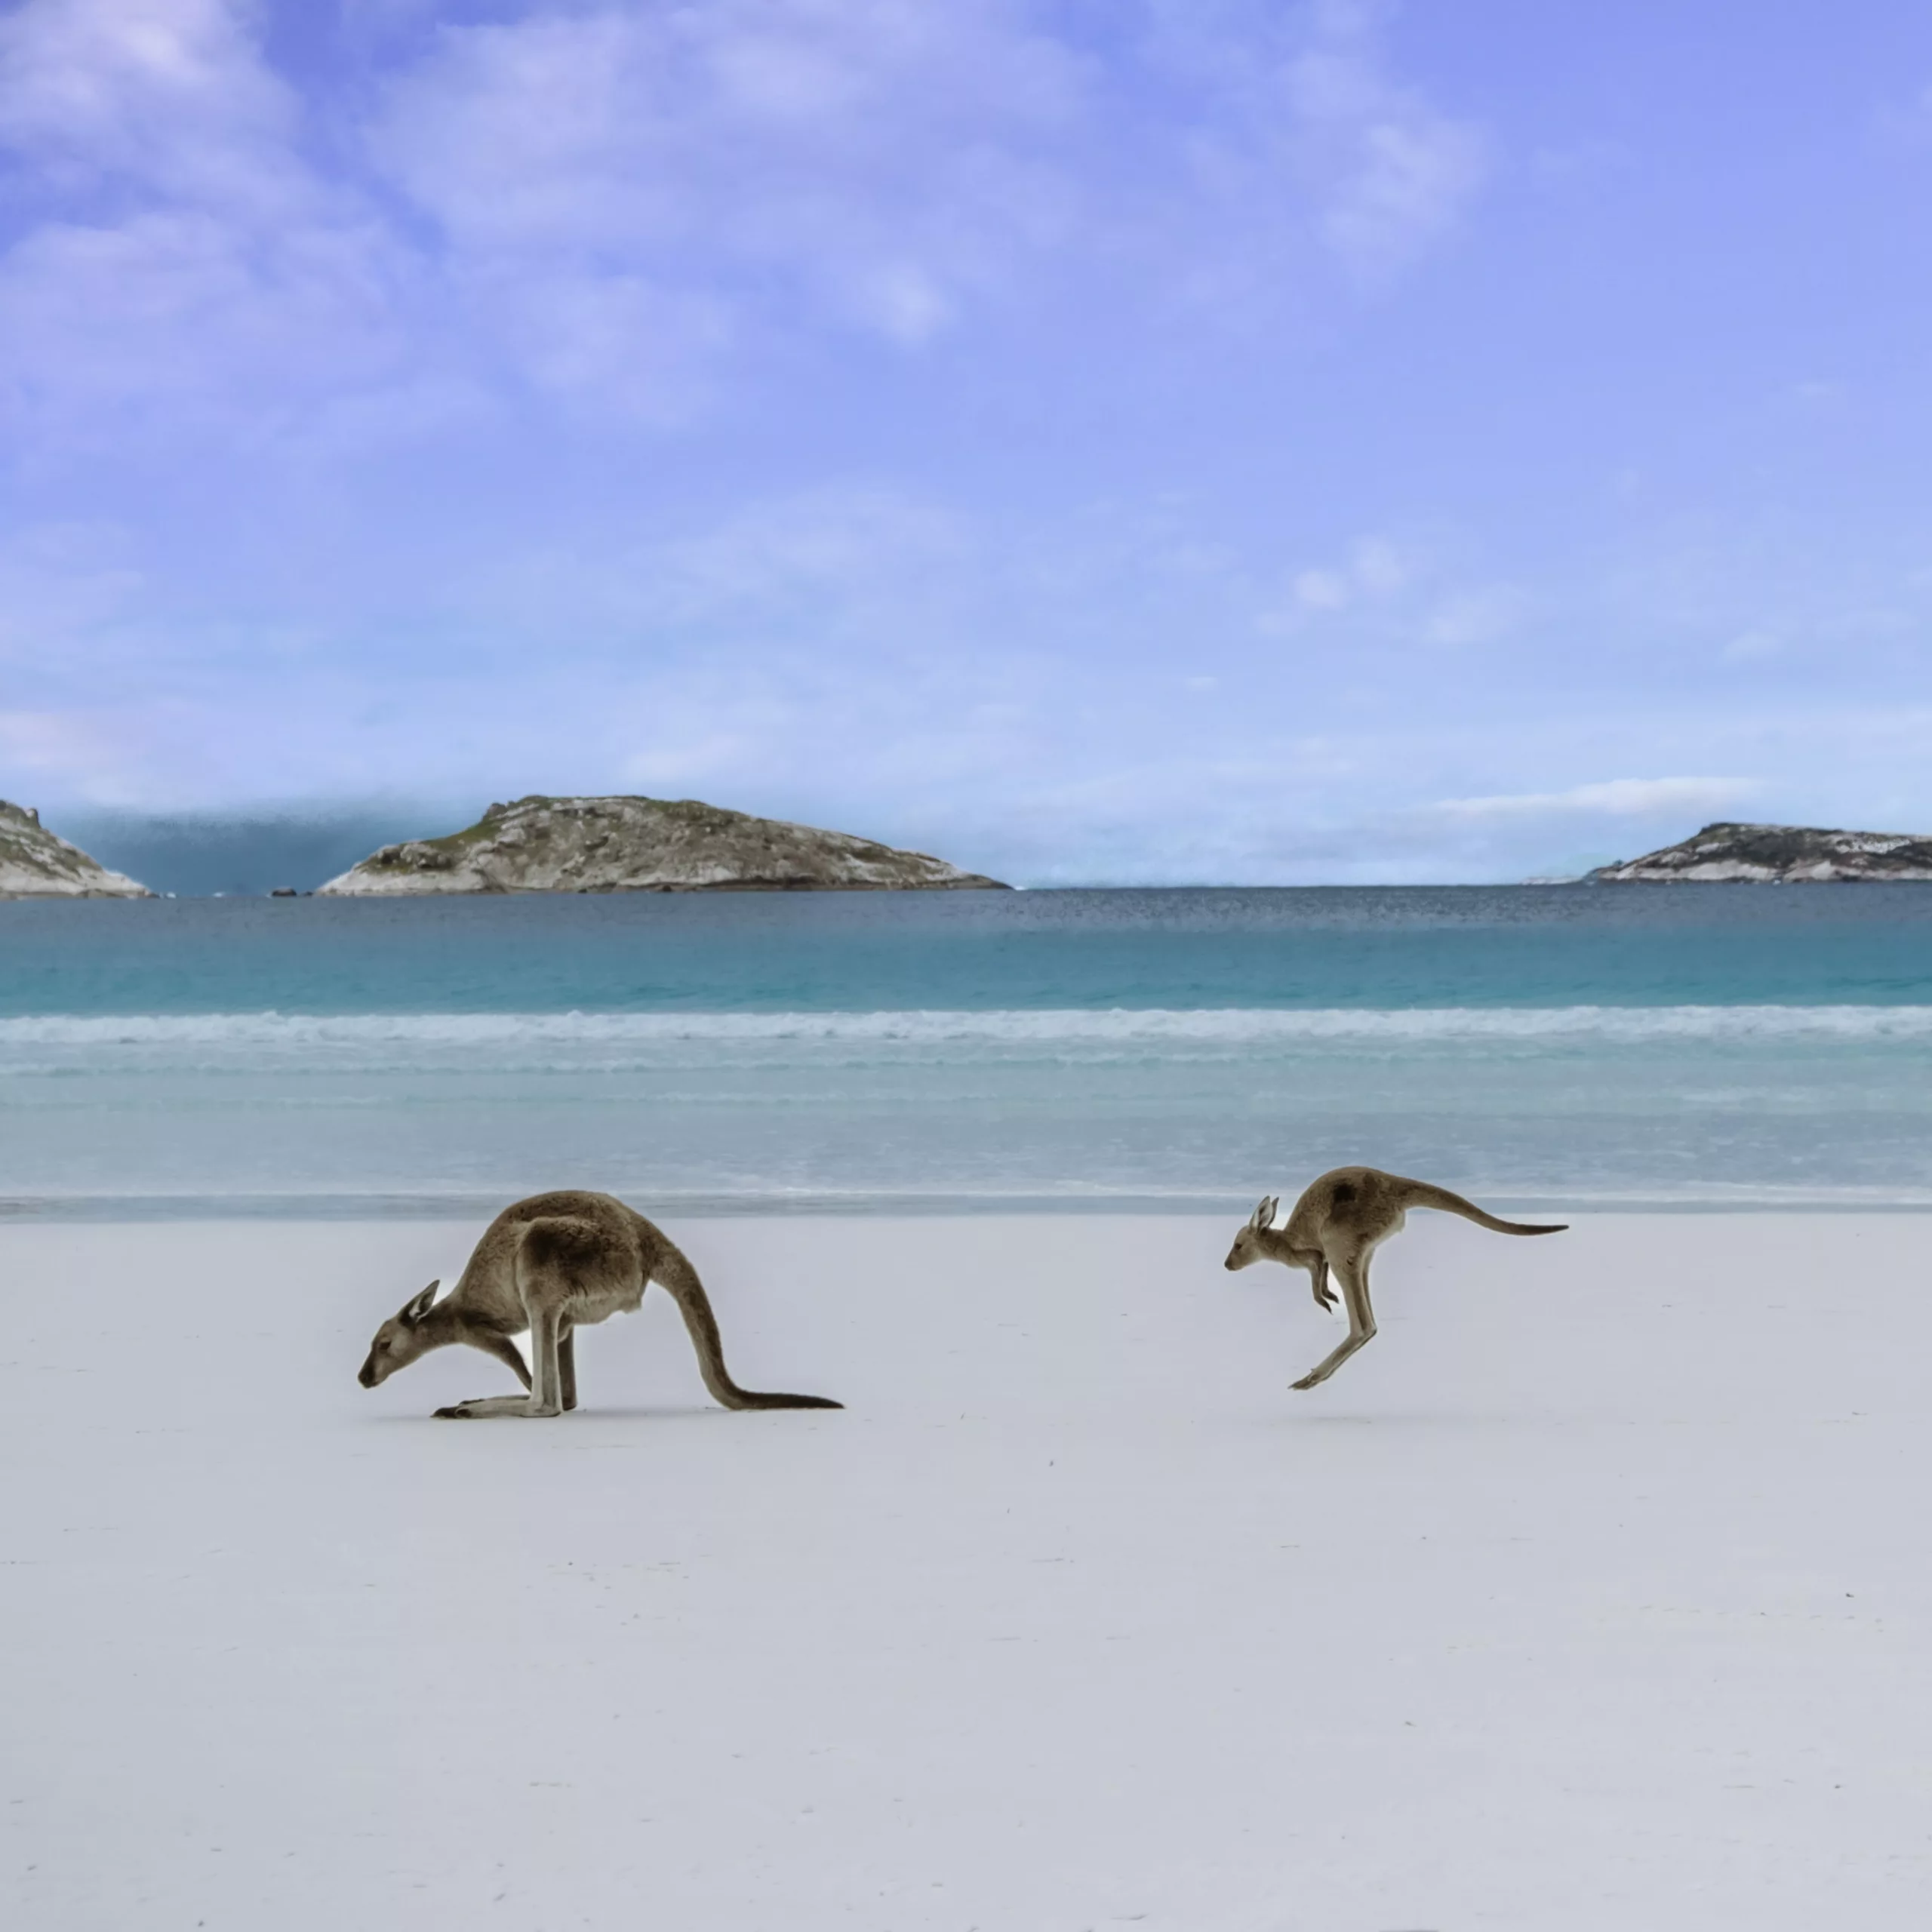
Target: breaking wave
x=1045, y=1027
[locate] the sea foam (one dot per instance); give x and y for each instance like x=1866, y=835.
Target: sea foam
x=1013, y=1026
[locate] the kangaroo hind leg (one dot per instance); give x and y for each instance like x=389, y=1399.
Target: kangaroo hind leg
x=546, y=1376
x=1352, y=1271
x=545, y=1396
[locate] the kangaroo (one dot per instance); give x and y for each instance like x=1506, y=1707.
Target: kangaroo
x=1338, y=1224
x=552, y=1264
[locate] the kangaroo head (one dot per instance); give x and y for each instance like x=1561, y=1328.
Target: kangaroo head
x=1248, y=1248
x=400, y=1339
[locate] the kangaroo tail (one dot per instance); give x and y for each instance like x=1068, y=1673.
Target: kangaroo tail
x=681, y=1281
x=1425, y=1194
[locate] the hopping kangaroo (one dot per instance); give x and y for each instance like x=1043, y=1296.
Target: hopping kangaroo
x=1339, y=1222
x=552, y=1264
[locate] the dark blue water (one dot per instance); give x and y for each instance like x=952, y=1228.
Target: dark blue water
x=1471, y=946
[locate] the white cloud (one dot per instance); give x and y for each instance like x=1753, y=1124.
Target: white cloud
x=1321, y=590
x=1478, y=616
x=61, y=580
x=166, y=97
x=1407, y=590
x=186, y=264
x=1907, y=127
x=179, y=313
x=77, y=754
x=1616, y=798
x=1374, y=571
x=625, y=209
x=1394, y=173
x=1379, y=568
x=833, y=556
x=668, y=765
x=1300, y=136
x=887, y=160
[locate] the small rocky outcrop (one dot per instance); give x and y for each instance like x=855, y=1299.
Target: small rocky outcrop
x=1778, y=855
x=34, y=864
x=625, y=844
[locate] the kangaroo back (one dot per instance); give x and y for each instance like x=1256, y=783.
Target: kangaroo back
x=680, y=1279
x=1426, y=1194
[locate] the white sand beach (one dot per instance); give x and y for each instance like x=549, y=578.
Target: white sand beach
x=1593, y=1596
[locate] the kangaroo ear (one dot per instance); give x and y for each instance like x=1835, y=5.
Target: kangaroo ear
x=418, y=1306
x=1263, y=1216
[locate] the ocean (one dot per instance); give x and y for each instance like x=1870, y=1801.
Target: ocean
x=1541, y=1047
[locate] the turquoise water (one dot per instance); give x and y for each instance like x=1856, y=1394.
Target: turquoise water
x=1479, y=946
x=1540, y=1045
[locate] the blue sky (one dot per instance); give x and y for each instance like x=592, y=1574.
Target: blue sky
x=1180, y=440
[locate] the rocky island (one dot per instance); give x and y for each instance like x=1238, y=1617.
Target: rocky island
x=1778, y=855
x=34, y=864
x=629, y=844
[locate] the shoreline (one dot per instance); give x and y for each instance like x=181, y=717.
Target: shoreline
x=349, y=1210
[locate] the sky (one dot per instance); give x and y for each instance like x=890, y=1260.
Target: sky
x=1096, y=441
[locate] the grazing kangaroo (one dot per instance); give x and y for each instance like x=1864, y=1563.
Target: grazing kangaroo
x=552, y=1264
x=1339, y=1222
